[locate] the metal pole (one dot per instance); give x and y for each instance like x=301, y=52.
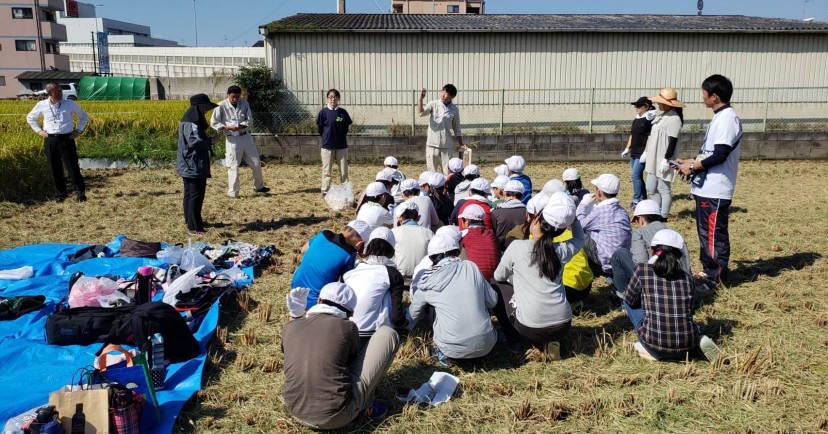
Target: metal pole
x=502, y=108
x=765, y=120
x=413, y=115
x=195, y=22
x=40, y=44
x=591, y=109
x=94, y=55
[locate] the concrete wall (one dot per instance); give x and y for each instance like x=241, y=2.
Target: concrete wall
x=184, y=87
x=571, y=147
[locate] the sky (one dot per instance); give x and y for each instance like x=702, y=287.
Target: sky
x=235, y=23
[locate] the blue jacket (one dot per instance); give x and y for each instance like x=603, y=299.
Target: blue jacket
x=328, y=257
x=193, y=157
x=527, y=186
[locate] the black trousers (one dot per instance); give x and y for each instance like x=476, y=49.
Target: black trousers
x=712, y=217
x=194, y=189
x=60, y=148
x=514, y=330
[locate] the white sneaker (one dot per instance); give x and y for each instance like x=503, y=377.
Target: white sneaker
x=643, y=353
x=552, y=350
x=709, y=348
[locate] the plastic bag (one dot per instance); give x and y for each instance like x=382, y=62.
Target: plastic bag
x=192, y=258
x=86, y=290
x=340, y=196
x=235, y=273
x=115, y=299
x=183, y=284
x=170, y=255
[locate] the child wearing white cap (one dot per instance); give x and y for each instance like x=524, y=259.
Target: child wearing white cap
x=425, y=263
x=411, y=193
x=372, y=210
x=515, y=164
x=497, y=197
x=607, y=225
x=470, y=173
x=412, y=240
x=455, y=176
x=510, y=213
x=323, y=357
x=327, y=256
x=443, y=204
x=479, y=191
x=532, y=305
x=457, y=297
x=647, y=218
x=659, y=300
x=479, y=241
x=571, y=178
x=378, y=286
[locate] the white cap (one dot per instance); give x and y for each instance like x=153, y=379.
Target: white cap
x=390, y=161
x=537, y=203
x=455, y=164
x=560, y=211
x=452, y=231
x=552, y=186
x=500, y=181
x=442, y=243
x=480, y=184
x=668, y=237
x=473, y=212
x=515, y=163
x=383, y=233
x=647, y=207
x=424, y=177
x=471, y=169
x=375, y=189
x=514, y=186
x=396, y=175
x=339, y=293
x=409, y=184
x=608, y=183
x=383, y=175
x=502, y=170
x=408, y=205
x=436, y=180
x=362, y=228
x=571, y=174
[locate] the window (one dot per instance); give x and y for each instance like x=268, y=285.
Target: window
x=453, y=9
x=397, y=9
x=25, y=45
x=22, y=13
x=2, y=80
x=47, y=15
x=52, y=48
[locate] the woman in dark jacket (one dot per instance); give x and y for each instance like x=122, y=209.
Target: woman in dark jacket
x=193, y=159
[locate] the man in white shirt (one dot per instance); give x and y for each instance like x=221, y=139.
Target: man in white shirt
x=713, y=174
x=59, y=132
x=233, y=117
x=444, y=117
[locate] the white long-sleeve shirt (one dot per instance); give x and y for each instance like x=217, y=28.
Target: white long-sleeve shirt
x=225, y=114
x=57, y=118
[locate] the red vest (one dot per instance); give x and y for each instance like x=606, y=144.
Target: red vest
x=487, y=219
x=481, y=248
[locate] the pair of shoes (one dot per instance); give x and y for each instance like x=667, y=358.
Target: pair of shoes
x=261, y=190
x=198, y=233
x=643, y=353
x=81, y=198
x=552, y=350
x=376, y=410
x=440, y=358
x=709, y=348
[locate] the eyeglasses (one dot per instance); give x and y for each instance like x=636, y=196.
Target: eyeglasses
x=333, y=97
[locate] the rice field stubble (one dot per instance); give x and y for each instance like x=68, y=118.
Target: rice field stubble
x=771, y=324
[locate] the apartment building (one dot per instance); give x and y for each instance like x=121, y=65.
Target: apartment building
x=437, y=7
x=29, y=39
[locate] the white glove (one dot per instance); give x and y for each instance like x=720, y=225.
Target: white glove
x=297, y=298
x=643, y=157
x=664, y=167
x=625, y=152
x=588, y=199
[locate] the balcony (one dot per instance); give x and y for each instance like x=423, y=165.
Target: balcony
x=53, y=31
x=51, y=4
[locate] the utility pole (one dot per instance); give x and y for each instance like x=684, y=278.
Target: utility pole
x=40, y=44
x=195, y=22
x=94, y=54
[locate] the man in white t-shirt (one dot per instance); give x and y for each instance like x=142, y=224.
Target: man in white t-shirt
x=713, y=174
x=443, y=120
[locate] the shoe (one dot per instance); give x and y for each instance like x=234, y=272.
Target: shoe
x=376, y=410
x=707, y=284
x=514, y=347
x=232, y=196
x=709, y=348
x=81, y=198
x=643, y=353
x=261, y=190
x=440, y=358
x=552, y=350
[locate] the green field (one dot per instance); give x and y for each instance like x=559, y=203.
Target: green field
x=771, y=323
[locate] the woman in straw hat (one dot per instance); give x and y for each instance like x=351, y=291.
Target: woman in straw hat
x=662, y=146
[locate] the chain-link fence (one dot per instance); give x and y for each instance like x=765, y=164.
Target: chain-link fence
x=542, y=111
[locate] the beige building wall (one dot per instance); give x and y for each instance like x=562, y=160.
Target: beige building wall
x=437, y=7
x=14, y=62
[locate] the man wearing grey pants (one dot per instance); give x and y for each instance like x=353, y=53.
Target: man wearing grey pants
x=328, y=380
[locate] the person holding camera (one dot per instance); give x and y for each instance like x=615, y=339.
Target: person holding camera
x=662, y=147
x=713, y=174
x=444, y=117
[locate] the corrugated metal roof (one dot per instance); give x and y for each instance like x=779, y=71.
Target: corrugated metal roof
x=52, y=75
x=404, y=23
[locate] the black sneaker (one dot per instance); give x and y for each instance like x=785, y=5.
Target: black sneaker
x=81, y=198
x=261, y=190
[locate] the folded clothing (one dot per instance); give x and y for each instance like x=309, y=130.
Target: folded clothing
x=15, y=307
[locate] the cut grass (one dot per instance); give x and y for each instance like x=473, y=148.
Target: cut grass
x=771, y=325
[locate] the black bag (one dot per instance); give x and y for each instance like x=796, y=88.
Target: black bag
x=82, y=325
x=139, y=249
x=150, y=318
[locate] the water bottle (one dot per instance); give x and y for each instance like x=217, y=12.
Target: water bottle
x=158, y=371
x=144, y=292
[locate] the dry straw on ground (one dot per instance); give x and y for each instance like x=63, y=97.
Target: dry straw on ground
x=771, y=323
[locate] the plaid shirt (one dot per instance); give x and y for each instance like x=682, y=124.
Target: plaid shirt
x=609, y=226
x=668, y=309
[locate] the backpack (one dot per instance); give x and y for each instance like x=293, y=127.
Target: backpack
x=154, y=317
x=82, y=325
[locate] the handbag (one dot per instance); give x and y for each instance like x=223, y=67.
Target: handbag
x=136, y=378
x=125, y=410
x=92, y=401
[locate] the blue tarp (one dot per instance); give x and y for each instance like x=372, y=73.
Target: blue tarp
x=30, y=368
